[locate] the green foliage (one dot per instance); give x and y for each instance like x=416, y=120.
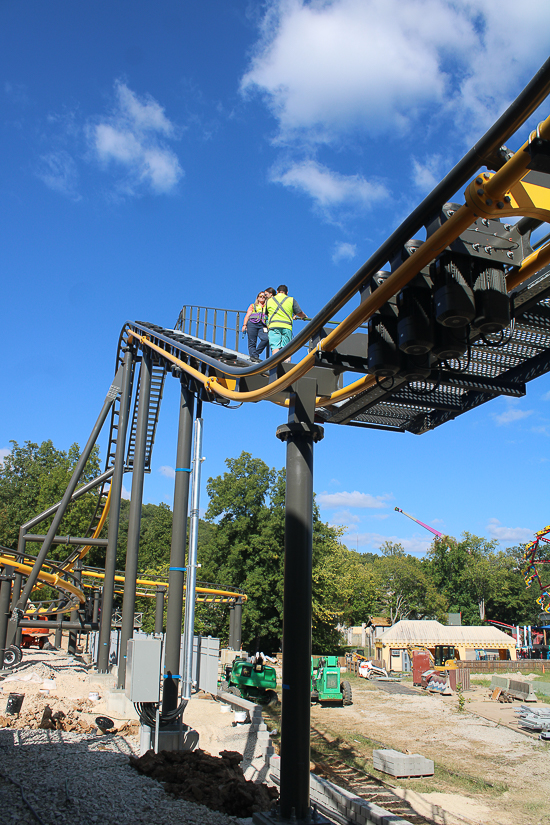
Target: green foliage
x=406, y=589
x=246, y=550
x=481, y=581
x=32, y=478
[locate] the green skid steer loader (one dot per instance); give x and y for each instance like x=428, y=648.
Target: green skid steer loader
x=325, y=681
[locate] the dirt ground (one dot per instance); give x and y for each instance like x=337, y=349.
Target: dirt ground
x=486, y=771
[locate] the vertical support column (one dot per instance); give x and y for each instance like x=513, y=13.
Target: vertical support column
x=134, y=518
x=299, y=434
x=58, y=633
x=96, y=597
x=172, y=641
x=231, y=642
x=237, y=624
x=114, y=517
x=159, y=609
x=77, y=578
x=5, y=595
x=16, y=592
x=191, y=580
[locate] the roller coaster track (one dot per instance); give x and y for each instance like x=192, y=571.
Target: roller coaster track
x=417, y=398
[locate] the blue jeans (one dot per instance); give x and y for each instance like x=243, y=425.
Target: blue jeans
x=257, y=340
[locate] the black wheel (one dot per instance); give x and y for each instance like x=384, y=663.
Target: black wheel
x=345, y=687
x=12, y=656
x=271, y=698
x=48, y=646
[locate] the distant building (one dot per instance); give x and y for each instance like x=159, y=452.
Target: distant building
x=392, y=644
x=363, y=636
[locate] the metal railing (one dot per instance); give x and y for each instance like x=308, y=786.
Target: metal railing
x=220, y=327
x=213, y=324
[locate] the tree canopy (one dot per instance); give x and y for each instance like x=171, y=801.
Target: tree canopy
x=241, y=545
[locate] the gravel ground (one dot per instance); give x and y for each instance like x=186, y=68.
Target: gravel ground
x=85, y=777
x=69, y=778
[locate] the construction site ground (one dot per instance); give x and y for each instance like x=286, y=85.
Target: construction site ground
x=486, y=770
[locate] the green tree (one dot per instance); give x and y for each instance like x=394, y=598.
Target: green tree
x=407, y=591
x=32, y=478
x=246, y=550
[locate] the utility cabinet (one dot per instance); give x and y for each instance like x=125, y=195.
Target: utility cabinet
x=143, y=663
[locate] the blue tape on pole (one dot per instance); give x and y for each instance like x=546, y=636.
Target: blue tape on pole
x=184, y=469
x=178, y=569
x=286, y=687
x=171, y=677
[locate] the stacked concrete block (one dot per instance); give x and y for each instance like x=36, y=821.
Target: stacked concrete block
x=340, y=805
x=402, y=764
x=257, y=724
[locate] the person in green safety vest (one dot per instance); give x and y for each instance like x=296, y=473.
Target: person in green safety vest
x=281, y=310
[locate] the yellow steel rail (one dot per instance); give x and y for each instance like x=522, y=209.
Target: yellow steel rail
x=53, y=579
x=153, y=583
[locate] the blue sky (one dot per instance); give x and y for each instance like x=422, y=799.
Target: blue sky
x=195, y=153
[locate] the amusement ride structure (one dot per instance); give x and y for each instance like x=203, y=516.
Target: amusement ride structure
x=434, y=327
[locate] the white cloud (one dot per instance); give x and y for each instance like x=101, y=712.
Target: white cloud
x=508, y=534
x=344, y=252
x=4, y=451
x=344, y=517
x=331, y=66
x=355, y=499
x=126, y=493
x=59, y=172
x=169, y=472
x=511, y=415
x=132, y=137
x=328, y=188
x=427, y=175
x=374, y=541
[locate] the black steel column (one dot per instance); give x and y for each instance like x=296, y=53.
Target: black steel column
x=231, y=642
x=5, y=595
x=96, y=596
x=238, y=624
x=77, y=579
x=300, y=434
x=58, y=636
x=172, y=640
x=159, y=609
x=16, y=592
x=134, y=518
x=114, y=518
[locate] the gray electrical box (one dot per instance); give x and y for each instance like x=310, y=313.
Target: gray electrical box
x=143, y=663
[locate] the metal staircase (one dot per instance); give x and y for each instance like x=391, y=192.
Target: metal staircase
x=158, y=375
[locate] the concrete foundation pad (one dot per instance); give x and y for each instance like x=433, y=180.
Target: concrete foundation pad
x=117, y=703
